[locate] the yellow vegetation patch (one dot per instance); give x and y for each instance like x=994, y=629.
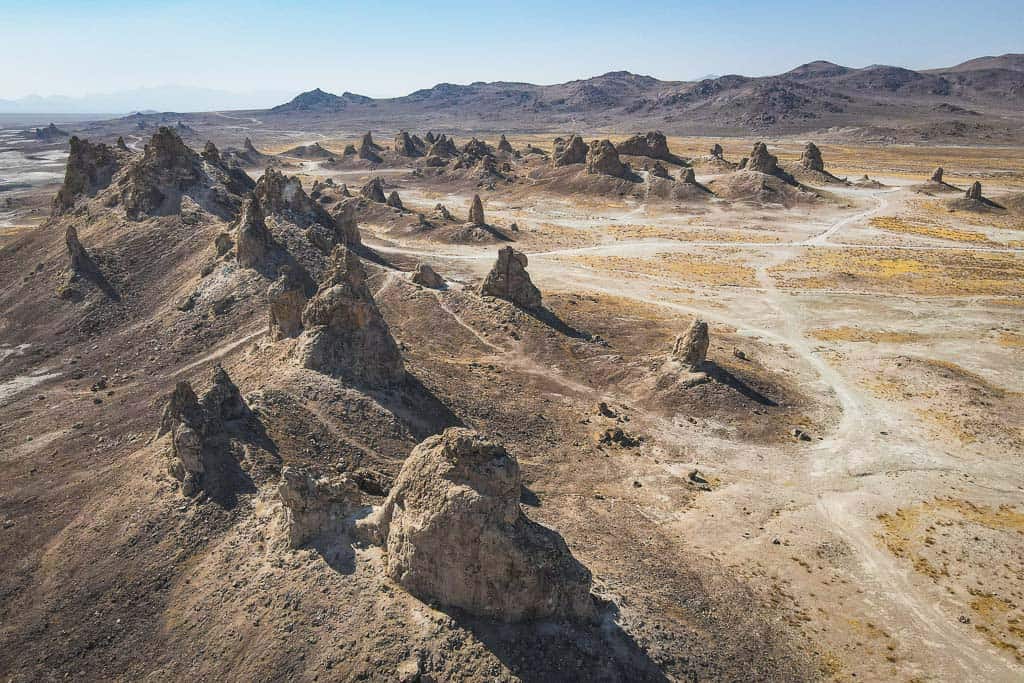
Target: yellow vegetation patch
x=630, y=232
x=702, y=269
x=856, y=334
x=921, y=272
x=1011, y=340
x=894, y=224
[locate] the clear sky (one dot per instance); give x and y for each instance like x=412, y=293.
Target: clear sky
x=388, y=48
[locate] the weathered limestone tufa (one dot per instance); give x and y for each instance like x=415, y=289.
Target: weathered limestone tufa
x=603, y=158
x=286, y=297
x=761, y=161
x=427, y=277
x=974, y=191
x=691, y=347
x=572, y=152
x=937, y=175
x=454, y=533
x=717, y=152
x=316, y=507
x=509, y=280
x=374, y=191
x=394, y=201
x=811, y=158
x=476, y=212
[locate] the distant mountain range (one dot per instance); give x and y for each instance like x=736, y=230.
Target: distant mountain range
x=162, y=98
x=979, y=99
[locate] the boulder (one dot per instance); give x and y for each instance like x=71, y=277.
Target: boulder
x=572, y=152
x=761, y=161
x=509, y=280
x=344, y=333
x=476, y=212
x=691, y=347
x=454, y=533
x=394, y=201
x=652, y=144
x=374, y=191
x=811, y=158
x=90, y=168
x=974, y=191
x=427, y=277
x=316, y=507
x=603, y=159
x=286, y=299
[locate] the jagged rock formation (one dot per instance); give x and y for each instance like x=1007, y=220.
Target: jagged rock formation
x=442, y=148
x=286, y=299
x=90, y=168
x=374, y=191
x=691, y=347
x=394, y=201
x=504, y=145
x=974, y=191
x=475, y=150
x=344, y=333
x=196, y=433
x=314, y=151
x=120, y=144
x=316, y=507
x=652, y=144
x=761, y=161
x=572, y=152
x=368, y=149
x=169, y=169
x=254, y=245
x=211, y=153
x=717, y=152
x=509, y=280
x=811, y=158
x=345, y=221
x=603, y=159
x=455, y=533
x=405, y=147
x=50, y=133
x=79, y=261
x=476, y=212
x=427, y=277
x=743, y=164
x=430, y=137
x=937, y=175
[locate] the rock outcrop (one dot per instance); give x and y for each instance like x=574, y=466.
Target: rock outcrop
x=659, y=171
x=374, y=191
x=441, y=212
x=405, y=147
x=688, y=176
x=286, y=299
x=455, y=534
x=573, y=151
x=811, y=158
x=196, y=428
x=255, y=247
x=344, y=332
x=717, y=152
x=346, y=225
x=316, y=507
x=974, y=191
x=368, y=149
x=691, y=347
x=652, y=144
x=603, y=159
x=394, y=201
x=505, y=146
x=476, y=212
x=90, y=168
x=79, y=260
x=427, y=277
x=761, y=161
x=937, y=175
x=509, y=280
x=50, y=133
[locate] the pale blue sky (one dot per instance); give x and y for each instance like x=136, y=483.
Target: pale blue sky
x=392, y=48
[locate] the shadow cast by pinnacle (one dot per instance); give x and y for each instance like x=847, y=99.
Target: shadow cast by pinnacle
x=722, y=376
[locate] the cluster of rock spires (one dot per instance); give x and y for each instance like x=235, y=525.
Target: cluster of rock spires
x=509, y=280
x=652, y=144
x=90, y=168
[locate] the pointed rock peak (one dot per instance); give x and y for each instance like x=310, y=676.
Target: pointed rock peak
x=254, y=244
x=394, y=201
x=121, y=144
x=811, y=158
x=476, y=212
x=374, y=190
x=509, y=280
x=504, y=145
x=691, y=347
x=974, y=192
x=287, y=298
x=937, y=175
x=90, y=168
x=211, y=153
x=79, y=260
x=165, y=150
x=717, y=152
x=761, y=161
x=572, y=152
x=248, y=146
x=603, y=159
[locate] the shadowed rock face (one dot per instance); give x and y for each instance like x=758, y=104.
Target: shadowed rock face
x=651, y=144
x=603, y=159
x=691, y=348
x=90, y=168
x=196, y=427
x=345, y=334
x=374, y=191
x=974, y=191
x=761, y=161
x=572, y=152
x=811, y=158
x=316, y=507
x=286, y=297
x=476, y=211
x=509, y=280
x=937, y=175
x=455, y=534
